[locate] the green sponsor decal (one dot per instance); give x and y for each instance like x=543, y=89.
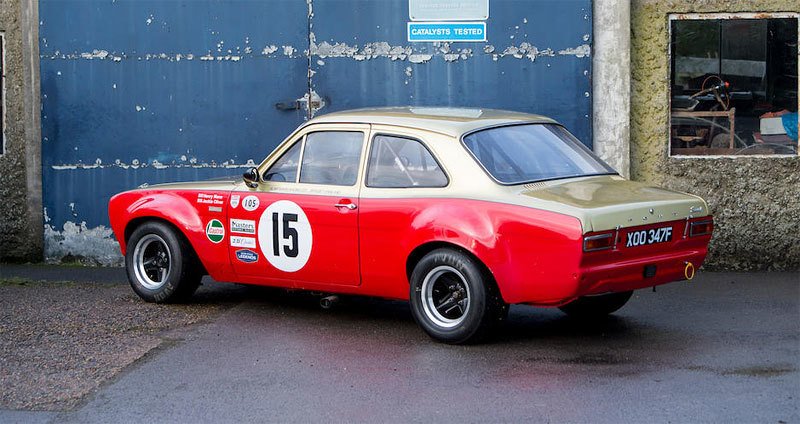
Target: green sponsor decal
x=215, y=231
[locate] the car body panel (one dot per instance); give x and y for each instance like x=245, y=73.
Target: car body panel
x=183, y=207
x=361, y=239
x=334, y=253
x=605, y=202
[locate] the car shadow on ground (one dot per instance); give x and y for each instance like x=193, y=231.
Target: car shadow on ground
x=524, y=324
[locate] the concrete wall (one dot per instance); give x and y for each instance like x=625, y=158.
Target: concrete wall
x=20, y=166
x=611, y=72
x=756, y=200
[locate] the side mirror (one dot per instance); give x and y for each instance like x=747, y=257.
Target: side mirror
x=250, y=177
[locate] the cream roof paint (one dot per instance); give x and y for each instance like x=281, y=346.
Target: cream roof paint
x=454, y=122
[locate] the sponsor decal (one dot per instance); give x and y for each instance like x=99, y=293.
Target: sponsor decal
x=235, y=201
x=250, y=203
x=247, y=256
x=210, y=199
x=239, y=241
x=243, y=226
x=284, y=234
x=215, y=231
x=214, y=209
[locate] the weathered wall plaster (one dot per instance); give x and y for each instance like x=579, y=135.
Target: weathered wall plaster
x=78, y=243
x=20, y=166
x=755, y=200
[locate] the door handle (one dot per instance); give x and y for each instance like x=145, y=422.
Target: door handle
x=350, y=206
x=291, y=105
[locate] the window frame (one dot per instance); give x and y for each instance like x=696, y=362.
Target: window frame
x=368, y=155
x=671, y=17
x=303, y=154
x=301, y=141
x=299, y=136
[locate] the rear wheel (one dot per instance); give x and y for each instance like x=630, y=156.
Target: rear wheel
x=452, y=299
x=596, y=306
x=161, y=266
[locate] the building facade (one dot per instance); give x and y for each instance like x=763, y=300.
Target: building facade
x=755, y=197
x=136, y=93
x=21, y=224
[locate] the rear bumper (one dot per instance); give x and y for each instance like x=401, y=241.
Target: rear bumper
x=617, y=269
x=640, y=273
x=621, y=275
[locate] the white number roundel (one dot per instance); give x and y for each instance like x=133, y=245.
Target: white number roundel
x=250, y=203
x=284, y=236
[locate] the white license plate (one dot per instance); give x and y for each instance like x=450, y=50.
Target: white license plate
x=646, y=237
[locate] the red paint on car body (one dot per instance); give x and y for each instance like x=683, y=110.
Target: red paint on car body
x=535, y=256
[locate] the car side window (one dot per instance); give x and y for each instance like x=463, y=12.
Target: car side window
x=285, y=168
x=399, y=162
x=331, y=157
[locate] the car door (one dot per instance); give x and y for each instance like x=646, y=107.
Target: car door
x=299, y=227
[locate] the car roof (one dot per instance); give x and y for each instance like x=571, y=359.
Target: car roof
x=446, y=120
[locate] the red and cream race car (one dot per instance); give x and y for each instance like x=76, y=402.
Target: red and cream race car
x=460, y=211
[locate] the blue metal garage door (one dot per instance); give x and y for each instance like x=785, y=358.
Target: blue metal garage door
x=535, y=59
x=137, y=92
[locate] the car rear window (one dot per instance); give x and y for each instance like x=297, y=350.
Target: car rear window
x=533, y=152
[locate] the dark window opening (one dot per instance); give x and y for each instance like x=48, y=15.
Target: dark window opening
x=734, y=85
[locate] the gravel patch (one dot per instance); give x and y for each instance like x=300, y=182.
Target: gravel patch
x=60, y=341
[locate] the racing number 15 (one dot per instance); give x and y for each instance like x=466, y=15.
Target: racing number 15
x=289, y=234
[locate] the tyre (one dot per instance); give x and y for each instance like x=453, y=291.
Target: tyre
x=453, y=299
x=161, y=265
x=596, y=306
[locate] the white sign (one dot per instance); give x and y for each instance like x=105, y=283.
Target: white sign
x=248, y=242
x=250, y=203
x=447, y=31
x=284, y=234
x=448, y=10
x=243, y=226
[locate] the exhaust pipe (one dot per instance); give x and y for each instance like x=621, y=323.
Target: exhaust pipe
x=688, y=272
x=328, y=302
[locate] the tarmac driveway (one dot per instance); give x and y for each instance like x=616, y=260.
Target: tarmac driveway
x=724, y=348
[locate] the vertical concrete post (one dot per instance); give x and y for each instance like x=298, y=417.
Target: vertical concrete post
x=611, y=83
x=29, y=26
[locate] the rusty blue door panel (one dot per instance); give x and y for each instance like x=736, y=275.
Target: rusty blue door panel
x=140, y=92
x=536, y=59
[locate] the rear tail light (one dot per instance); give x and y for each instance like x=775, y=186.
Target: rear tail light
x=598, y=242
x=701, y=228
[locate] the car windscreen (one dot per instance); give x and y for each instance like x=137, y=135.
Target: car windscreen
x=533, y=152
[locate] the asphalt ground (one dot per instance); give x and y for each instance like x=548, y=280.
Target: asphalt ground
x=723, y=348
x=65, y=331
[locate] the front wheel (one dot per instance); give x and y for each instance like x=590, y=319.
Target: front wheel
x=160, y=264
x=453, y=299
x=596, y=306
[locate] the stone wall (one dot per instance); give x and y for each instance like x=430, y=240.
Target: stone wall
x=20, y=166
x=755, y=200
